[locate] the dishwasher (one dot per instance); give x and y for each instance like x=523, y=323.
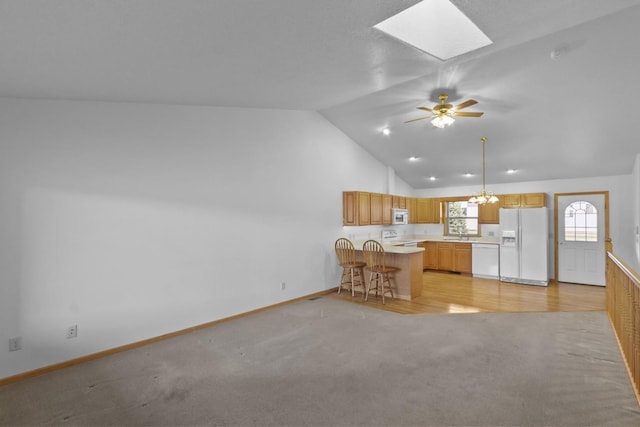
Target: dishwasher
x=485, y=260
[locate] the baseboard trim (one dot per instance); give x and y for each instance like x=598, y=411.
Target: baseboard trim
x=67, y=363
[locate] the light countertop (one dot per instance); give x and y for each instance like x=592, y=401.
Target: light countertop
x=396, y=246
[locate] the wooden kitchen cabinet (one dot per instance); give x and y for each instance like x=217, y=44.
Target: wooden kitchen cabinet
x=364, y=208
x=356, y=208
x=489, y=213
x=386, y=209
x=533, y=200
x=399, y=202
x=430, y=255
x=375, y=207
x=526, y=200
x=509, y=200
x=447, y=256
x=428, y=211
x=462, y=257
x=412, y=209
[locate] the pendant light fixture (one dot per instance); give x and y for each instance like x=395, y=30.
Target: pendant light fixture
x=483, y=197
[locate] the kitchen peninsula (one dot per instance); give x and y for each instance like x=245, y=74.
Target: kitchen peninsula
x=408, y=281
x=409, y=254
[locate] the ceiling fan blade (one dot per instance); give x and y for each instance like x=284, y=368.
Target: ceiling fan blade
x=467, y=114
x=415, y=120
x=424, y=109
x=466, y=104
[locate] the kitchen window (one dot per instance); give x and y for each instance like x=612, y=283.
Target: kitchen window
x=462, y=219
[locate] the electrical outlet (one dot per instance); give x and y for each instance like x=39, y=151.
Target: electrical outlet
x=72, y=331
x=15, y=344
x=283, y=285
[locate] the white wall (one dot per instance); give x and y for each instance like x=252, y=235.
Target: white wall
x=132, y=221
x=621, y=205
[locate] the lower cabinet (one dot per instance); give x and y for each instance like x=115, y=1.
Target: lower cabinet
x=446, y=256
x=462, y=257
x=430, y=255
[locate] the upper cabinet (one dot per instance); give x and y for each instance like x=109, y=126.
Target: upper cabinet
x=489, y=213
x=386, y=208
x=363, y=208
x=412, y=208
x=399, y=202
x=356, y=208
x=526, y=200
x=375, y=200
x=428, y=211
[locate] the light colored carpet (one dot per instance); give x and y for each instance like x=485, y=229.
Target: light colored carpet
x=328, y=362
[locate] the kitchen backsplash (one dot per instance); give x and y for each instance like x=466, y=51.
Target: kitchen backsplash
x=375, y=231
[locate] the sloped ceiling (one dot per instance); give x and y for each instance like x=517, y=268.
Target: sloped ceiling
x=567, y=116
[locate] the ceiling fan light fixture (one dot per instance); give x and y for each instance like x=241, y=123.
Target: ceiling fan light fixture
x=442, y=120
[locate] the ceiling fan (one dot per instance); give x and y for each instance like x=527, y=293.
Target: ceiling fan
x=443, y=113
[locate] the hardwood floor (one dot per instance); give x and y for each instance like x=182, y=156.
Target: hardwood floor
x=456, y=293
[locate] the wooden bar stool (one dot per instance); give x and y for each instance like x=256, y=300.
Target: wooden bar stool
x=374, y=256
x=351, y=268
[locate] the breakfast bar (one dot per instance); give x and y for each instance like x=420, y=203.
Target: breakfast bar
x=407, y=282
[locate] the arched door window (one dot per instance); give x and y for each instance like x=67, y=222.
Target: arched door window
x=581, y=222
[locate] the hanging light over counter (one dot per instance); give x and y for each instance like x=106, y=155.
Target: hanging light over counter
x=483, y=197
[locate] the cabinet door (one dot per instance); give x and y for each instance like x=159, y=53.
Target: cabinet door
x=423, y=209
x=434, y=218
x=412, y=209
x=402, y=202
x=430, y=255
x=364, y=208
x=510, y=201
x=489, y=213
x=428, y=211
x=399, y=202
x=462, y=257
x=386, y=209
x=533, y=200
x=445, y=256
x=375, y=200
x=349, y=208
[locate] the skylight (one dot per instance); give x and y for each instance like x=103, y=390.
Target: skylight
x=436, y=27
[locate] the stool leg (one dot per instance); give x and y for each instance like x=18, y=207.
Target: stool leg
x=352, y=281
x=344, y=272
x=368, y=288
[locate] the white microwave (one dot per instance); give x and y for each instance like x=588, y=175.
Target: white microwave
x=399, y=216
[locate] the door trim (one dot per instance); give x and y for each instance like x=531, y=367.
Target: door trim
x=608, y=245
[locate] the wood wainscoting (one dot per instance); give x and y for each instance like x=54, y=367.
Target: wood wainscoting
x=623, y=307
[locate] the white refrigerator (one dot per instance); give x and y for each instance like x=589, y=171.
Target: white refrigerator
x=524, y=246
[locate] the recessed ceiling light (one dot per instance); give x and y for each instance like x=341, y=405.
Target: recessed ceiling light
x=386, y=131
x=468, y=175
x=511, y=171
x=414, y=159
x=432, y=178
x=436, y=27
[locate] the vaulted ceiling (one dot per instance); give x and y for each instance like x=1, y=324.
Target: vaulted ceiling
x=558, y=87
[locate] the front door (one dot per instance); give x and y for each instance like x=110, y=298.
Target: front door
x=580, y=237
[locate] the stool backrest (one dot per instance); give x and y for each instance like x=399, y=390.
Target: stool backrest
x=373, y=254
x=345, y=251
